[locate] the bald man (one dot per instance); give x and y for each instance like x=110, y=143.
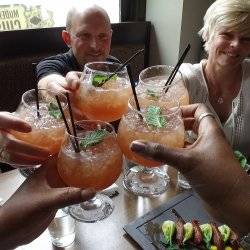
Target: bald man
x=88, y=35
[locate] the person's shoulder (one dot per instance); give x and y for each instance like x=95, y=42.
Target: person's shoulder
x=60, y=57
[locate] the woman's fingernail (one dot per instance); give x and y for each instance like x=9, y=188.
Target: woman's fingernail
x=137, y=146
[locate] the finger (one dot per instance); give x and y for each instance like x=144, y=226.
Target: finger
x=14, y=145
x=69, y=196
x=9, y=121
x=189, y=110
x=57, y=88
x=189, y=123
x=158, y=152
x=20, y=160
x=73, y=80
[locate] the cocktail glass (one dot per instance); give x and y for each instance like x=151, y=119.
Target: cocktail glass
x=108, y=101
x=145, y=178
x=97, y=165
x=153, y=79
x=47, y=128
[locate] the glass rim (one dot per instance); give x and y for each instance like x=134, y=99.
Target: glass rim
x=47, y=90
x=123, y=70
x=89, y=121
x=171, y=68
x=134, y=109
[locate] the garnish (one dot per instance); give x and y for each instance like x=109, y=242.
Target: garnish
x=152, y=93
x=225, y=232
x=154, y=117
x=98, y=79
x=242, y=160
x=93, y=138
x=54, y=111
x=168, y=228
x=207, y=233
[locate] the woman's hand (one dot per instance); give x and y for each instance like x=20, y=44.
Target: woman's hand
x=14, y=151
x=31, y=208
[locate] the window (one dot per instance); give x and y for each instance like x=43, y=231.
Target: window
x=31, y=14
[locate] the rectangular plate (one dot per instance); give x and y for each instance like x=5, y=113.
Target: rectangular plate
x=146, y=230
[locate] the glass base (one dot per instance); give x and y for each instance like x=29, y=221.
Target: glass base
x=147, y=182
x=98, y=208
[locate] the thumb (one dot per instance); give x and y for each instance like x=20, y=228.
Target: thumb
x=69, y=196
x=158, y=152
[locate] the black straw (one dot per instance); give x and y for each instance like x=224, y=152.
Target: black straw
x=65, y=122
x=133, y=87
x=72, y=122
x=177, y=66
x=123, y=65
x=36, y=89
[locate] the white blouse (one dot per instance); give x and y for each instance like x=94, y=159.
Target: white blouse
x=237, y=126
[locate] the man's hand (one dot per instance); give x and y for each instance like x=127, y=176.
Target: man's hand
x=32, y=207
x=14, y=151
x=210, y=167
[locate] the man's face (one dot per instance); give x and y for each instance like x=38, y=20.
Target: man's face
x=90, y=37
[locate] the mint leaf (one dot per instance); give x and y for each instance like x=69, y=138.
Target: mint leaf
x=242, y=160
x=98, y=79
x=154, y=117
x=54, y=111
x=93, y=138
x=152, y=93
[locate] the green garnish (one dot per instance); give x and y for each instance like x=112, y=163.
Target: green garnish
x=152, y=93
x=168, y=228
x=207, y=233
x=98, y=79
x=93, y=138
x=242, y=160
x=188, y=231
x=225, y=232
x=154, y=117
x=54, y=111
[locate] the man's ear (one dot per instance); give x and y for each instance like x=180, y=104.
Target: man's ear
x=66, y=38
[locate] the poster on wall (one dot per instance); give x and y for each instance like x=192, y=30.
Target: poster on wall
x=19, y=16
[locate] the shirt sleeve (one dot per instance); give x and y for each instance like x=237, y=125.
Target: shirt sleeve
x=49, y=66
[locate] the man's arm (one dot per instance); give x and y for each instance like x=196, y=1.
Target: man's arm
x=210, y=167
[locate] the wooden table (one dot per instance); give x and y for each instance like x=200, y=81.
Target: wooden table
x=106, y=234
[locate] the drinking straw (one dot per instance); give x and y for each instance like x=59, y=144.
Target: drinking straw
x=72, y=122
x=36, y=89
x=65, y=122
x=177, y=66
x=133, y=88
x=124, y=64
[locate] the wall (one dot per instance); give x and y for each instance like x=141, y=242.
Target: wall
x=175, y=23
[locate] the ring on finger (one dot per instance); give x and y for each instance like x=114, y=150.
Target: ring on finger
x=203, y=115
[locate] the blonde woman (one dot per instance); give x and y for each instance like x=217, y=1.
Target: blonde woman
x=222, y=81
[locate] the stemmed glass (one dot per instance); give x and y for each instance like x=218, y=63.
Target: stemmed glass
x=102, y=98
x=47, y=125
x=97, y=165
x=145, y=178
x=153, y=79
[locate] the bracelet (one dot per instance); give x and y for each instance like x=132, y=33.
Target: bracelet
x=204, y=115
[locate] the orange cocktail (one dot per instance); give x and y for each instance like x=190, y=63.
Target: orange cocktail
x=103, y=101
x=47, y=129
x=168, y=128
x=98, y=165
x=153, y=80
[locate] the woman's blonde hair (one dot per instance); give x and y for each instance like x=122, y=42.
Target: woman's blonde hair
x=234, y=15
